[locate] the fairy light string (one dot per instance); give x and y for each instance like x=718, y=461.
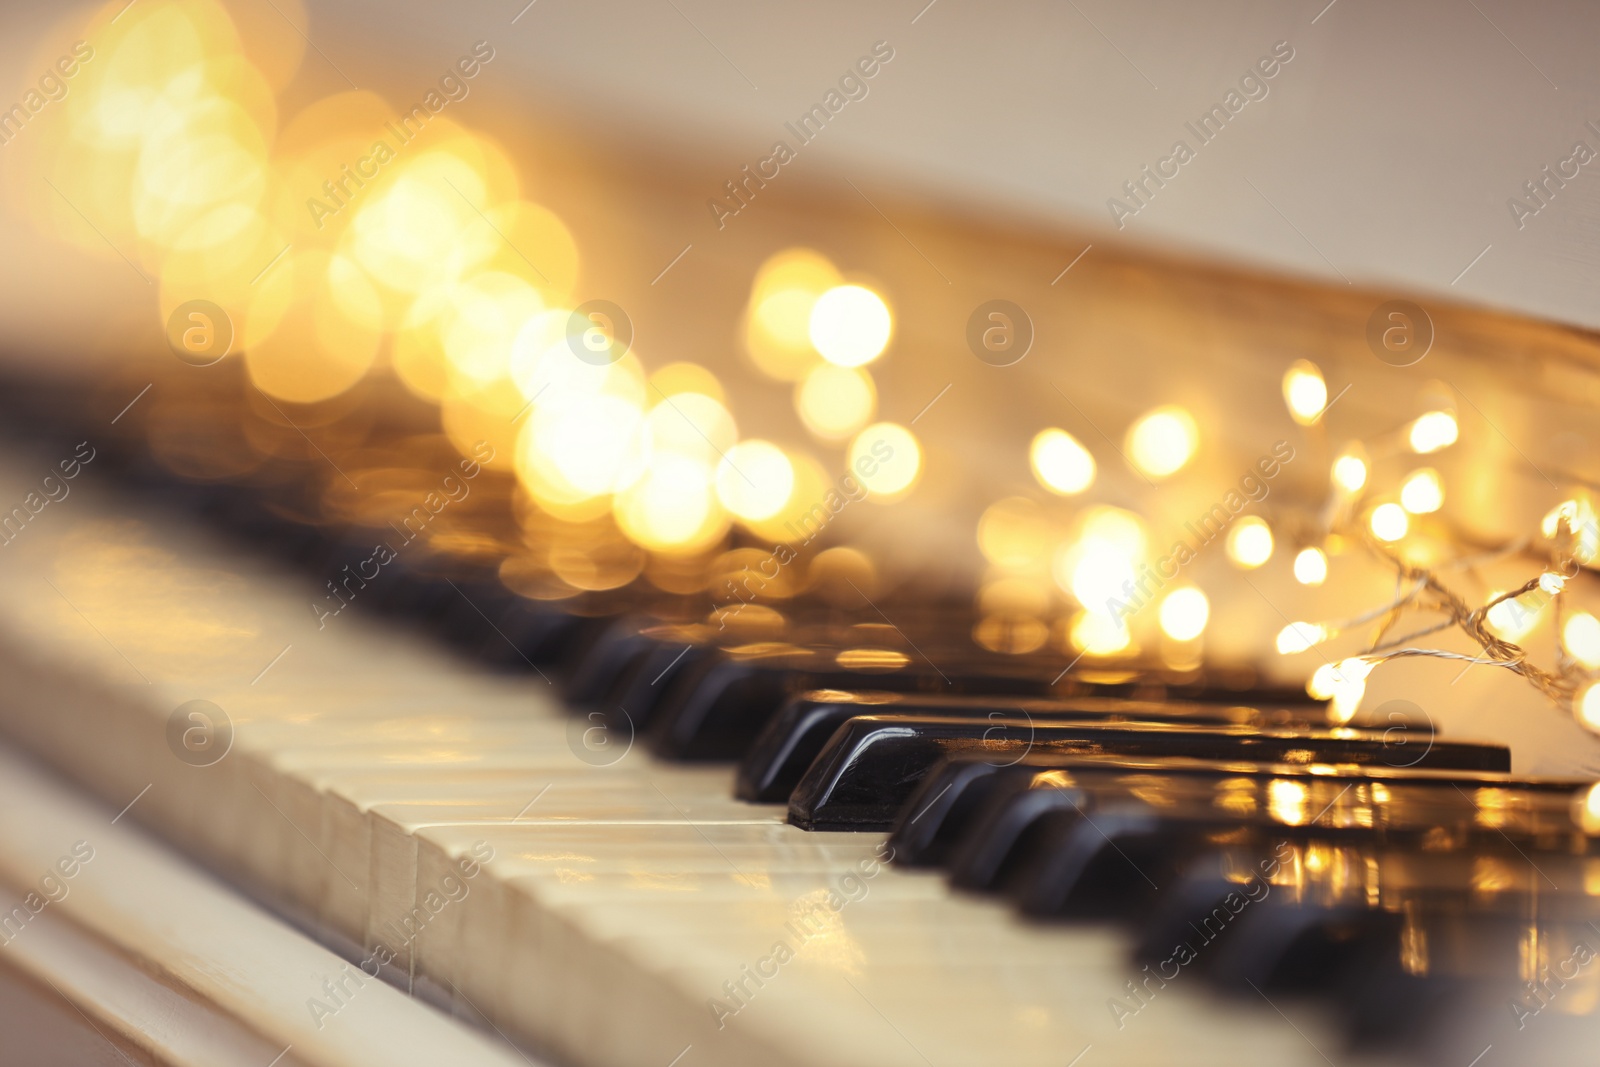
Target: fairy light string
x=1424, y=604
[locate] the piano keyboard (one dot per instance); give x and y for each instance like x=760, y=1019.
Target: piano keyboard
x=606, y=882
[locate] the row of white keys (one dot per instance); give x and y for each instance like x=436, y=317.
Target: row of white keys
x=367, y=763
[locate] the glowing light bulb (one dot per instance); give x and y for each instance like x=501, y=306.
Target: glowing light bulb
x=886, y=458
x=1353, y=669
x=1061, y=464
x=1350, y=472
x=850, y=325
x=1433, y=431
x=1551, y=583
x=1512, y=619
x=1304, y=391
x=1556, y=516
x=1322, y=684
x=1389, y=522
x=1422, y=491
x=1184, y=613
x=1299, y=637
x=1581, y=635
x=1348, y=684
x=754, y=479
x=1577, y=516
x=1310, y=566
x=1249, y=542
x=1162, y=442
x=1587, y=706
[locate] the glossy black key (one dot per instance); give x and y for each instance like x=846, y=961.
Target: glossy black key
x=595, y=676
x=716, y=709
x=638, y=667
x=777, y=759
x=872, y=765
x=1413, y=933
x=1090, y=840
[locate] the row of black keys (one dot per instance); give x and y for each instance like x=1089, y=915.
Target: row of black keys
x=1403, y=877
x=1237, y=834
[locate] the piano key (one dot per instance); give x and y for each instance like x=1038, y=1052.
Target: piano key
x=1001, y=815
x=1082, y=846
x=716, y=709
x=167, y=965
x=1397, y=966
x=578, y=961
x=872, y=765
x=777, y=759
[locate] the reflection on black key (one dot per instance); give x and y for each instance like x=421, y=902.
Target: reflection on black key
x=606, y=672
x=716, y=710
x=1039, y=837
x=777, y=759
x=872, y=764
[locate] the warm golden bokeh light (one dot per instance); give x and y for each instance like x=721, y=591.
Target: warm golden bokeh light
x=1577, y=520
x=1299, y=637
x=835, y=402
x=1015, y=533
x=1184, y=613
x=1432, y=432
x=755, y=479
x=1099, y=566
x=1581, y=634
x=1096, y=634
x=849, y=325
x=1163, y=441
x=301, y=344
x=473, y=415
x=777, y=329
x=1586, y=705
x=1389, y=522
x=483, y=317
x=1515, y=618
x=886, y=458
x=1311, y=566
x=1249, y=543
x=689, y=424
x=1350, y=470
x=1422, y=491
x=1060, y=463
x=802, y=515
x=1304, y=391
x=1346, y=684
x=673, y=508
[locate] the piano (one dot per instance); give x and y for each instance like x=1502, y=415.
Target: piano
x=501, y=562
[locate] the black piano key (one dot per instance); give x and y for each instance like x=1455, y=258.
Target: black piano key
x=779, y=756
x=674, y=671
x=1043, y=841
x=872, y=765
x=594, y=676
x=1292, y=946
x=718, y=709
x=1396, y=965
x=648, y=679
x=940, y=809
